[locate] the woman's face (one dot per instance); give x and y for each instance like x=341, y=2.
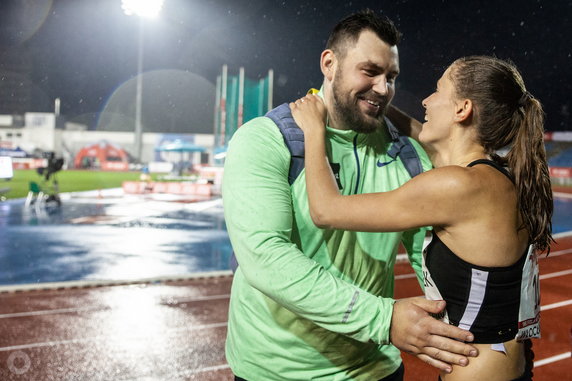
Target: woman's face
x=439, y=111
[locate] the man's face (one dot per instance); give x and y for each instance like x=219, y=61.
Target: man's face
x=364, y=84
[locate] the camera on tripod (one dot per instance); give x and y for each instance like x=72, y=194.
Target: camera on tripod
x=49, y=188
x=54, y=165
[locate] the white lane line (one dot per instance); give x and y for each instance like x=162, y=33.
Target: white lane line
x=556, y=305
x=202, y=370
x=210, y=368
x=562, y=195
x=549, y=360
x=108, y=338
x=121, y=282
x=186, y=372
x=52, y=312
x=44, y=344
x=559, y=252
x=405, y=276
x=556, y=254
x=563, y=234
x=554, y=275
x=196, y=299
x=401, y=258
x=166, y=301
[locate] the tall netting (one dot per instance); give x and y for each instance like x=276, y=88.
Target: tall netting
x=238, y=100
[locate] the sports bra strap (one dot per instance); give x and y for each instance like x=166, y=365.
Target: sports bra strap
x=493, y=164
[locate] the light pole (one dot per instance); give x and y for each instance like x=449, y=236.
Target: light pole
x=143, y=9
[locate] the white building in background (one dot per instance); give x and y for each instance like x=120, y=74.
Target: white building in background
x=42, y=132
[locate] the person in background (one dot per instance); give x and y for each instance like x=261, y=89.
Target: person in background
x=491, y=215
x=308, y=303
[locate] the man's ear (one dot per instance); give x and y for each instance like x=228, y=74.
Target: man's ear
x=463, y=110
x=328, y=64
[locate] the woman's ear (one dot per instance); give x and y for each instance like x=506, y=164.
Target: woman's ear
x=463, y=110
x=328, y=64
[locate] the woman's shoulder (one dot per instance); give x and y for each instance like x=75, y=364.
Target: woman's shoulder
x=451, y=178
x=478, y=184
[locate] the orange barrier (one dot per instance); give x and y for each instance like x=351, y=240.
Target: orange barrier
x=180, y=188
x=560, y=172
x=29, y=163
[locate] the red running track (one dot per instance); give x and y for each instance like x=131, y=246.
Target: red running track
x=175, y=330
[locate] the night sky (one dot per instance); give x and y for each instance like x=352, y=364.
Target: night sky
x=85, y=52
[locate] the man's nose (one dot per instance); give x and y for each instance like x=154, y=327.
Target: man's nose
x=380, y=85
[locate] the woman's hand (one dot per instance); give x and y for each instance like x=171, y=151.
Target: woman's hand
x=309, y=113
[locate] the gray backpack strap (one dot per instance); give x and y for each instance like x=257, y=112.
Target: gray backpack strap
x=403, y=148
x=293, y=138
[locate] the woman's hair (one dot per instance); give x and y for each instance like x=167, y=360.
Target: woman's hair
x=508, y=116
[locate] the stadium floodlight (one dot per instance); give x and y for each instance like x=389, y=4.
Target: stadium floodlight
x=142, y=8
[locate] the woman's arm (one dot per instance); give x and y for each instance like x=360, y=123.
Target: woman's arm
x=431, y=198
x=310, y=115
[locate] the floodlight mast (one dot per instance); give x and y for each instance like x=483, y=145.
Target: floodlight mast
x=143, y=9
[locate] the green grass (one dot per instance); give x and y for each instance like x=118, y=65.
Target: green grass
x=68, y=180
x=72, y=181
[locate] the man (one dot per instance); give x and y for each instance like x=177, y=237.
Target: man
x=317, y=304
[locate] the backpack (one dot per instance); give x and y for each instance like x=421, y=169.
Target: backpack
x=294, y=140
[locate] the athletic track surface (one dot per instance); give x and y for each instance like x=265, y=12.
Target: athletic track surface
x=174, y=329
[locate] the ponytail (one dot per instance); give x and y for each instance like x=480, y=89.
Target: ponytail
x=527, y=161
x=506, y=115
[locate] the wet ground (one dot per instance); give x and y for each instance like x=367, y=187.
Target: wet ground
x=103, y=236
x=175, y=330
x=91, y=329
x=108, y=236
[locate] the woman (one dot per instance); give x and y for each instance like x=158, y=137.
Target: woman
x=490, y=214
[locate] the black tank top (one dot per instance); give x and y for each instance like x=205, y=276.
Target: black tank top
x=483, y=300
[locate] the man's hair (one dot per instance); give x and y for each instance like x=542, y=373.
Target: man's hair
x=349, y=29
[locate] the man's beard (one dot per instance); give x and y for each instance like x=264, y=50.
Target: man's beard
x=349, y=114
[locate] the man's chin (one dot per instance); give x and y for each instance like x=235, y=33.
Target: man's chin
x=367, y=127
x=358, y=120
x=369, y=124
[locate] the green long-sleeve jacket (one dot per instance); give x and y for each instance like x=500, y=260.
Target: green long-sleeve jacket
x=307, y=303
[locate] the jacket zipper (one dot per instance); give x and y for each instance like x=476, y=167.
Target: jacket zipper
x=357, y=164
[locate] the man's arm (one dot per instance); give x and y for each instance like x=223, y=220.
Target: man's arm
x=415, y=331
x=258, y=213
